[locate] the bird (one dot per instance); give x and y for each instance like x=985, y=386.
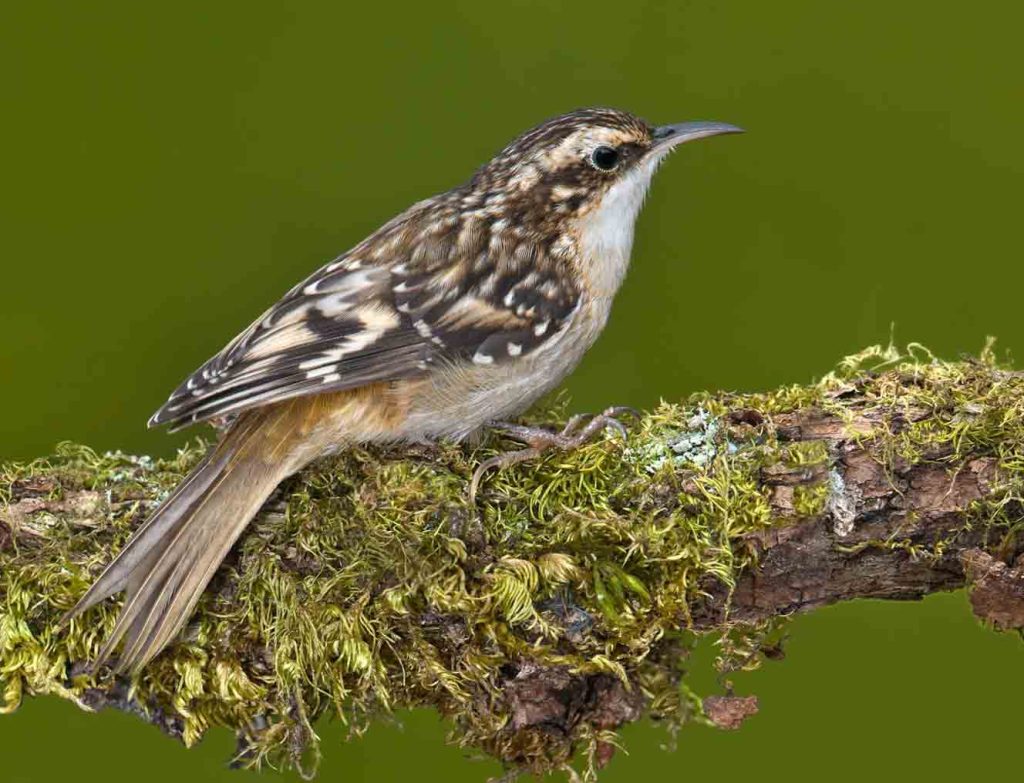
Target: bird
x=453, y=316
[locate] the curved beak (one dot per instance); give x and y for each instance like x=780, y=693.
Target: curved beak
x=667, y=136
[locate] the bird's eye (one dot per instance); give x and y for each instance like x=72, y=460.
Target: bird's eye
x=605, y=158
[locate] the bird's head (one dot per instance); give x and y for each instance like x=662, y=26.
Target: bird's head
x=576, y=184
x=570, y=165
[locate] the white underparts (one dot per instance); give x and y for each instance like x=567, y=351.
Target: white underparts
x=606, y=233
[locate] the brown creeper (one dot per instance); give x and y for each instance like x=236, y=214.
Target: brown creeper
x=457, y=313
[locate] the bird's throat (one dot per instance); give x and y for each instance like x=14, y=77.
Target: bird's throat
x=606, y=232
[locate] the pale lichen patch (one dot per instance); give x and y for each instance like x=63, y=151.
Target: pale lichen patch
x=842, y=504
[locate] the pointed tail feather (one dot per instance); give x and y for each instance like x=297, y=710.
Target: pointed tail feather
x=167, y=564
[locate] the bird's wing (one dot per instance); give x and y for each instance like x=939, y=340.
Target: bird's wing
x=402, y=301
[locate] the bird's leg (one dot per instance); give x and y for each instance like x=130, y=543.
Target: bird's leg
x=573, y=435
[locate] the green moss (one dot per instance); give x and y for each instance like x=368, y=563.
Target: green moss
x=810, y=501
x=370, y=584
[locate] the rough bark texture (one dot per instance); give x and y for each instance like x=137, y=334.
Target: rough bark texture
x=883, y=485
x=848, y=552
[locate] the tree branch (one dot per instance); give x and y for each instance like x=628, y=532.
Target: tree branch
x=563, y=605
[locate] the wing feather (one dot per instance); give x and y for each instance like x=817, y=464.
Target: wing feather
x=448, y=291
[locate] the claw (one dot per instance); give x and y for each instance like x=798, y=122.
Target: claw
x=621, y=410
x=616, y=425
x=499, y=461
x=538, y=440
x=573, y=424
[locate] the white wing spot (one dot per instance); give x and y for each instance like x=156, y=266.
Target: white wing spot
x=344, y=286
x=280, y=341
x=320, y=372
x=514, y=349
x=540, y=328
x=482, y=358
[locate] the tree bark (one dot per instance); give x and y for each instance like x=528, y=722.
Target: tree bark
x=870, y=484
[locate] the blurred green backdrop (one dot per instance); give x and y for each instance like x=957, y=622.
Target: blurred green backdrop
x=170, y=169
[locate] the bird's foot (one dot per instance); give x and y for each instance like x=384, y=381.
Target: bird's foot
x=574, y=434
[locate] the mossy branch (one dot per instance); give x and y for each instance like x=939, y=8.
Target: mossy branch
x=566, y=603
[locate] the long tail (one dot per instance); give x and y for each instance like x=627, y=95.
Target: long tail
x=167, y=564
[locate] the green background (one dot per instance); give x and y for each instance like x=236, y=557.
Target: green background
x=169, y=169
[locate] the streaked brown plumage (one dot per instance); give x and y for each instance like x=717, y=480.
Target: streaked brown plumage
x=459, y=312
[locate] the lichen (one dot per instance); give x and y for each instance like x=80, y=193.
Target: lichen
x=369, y=583
x=841, y=502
